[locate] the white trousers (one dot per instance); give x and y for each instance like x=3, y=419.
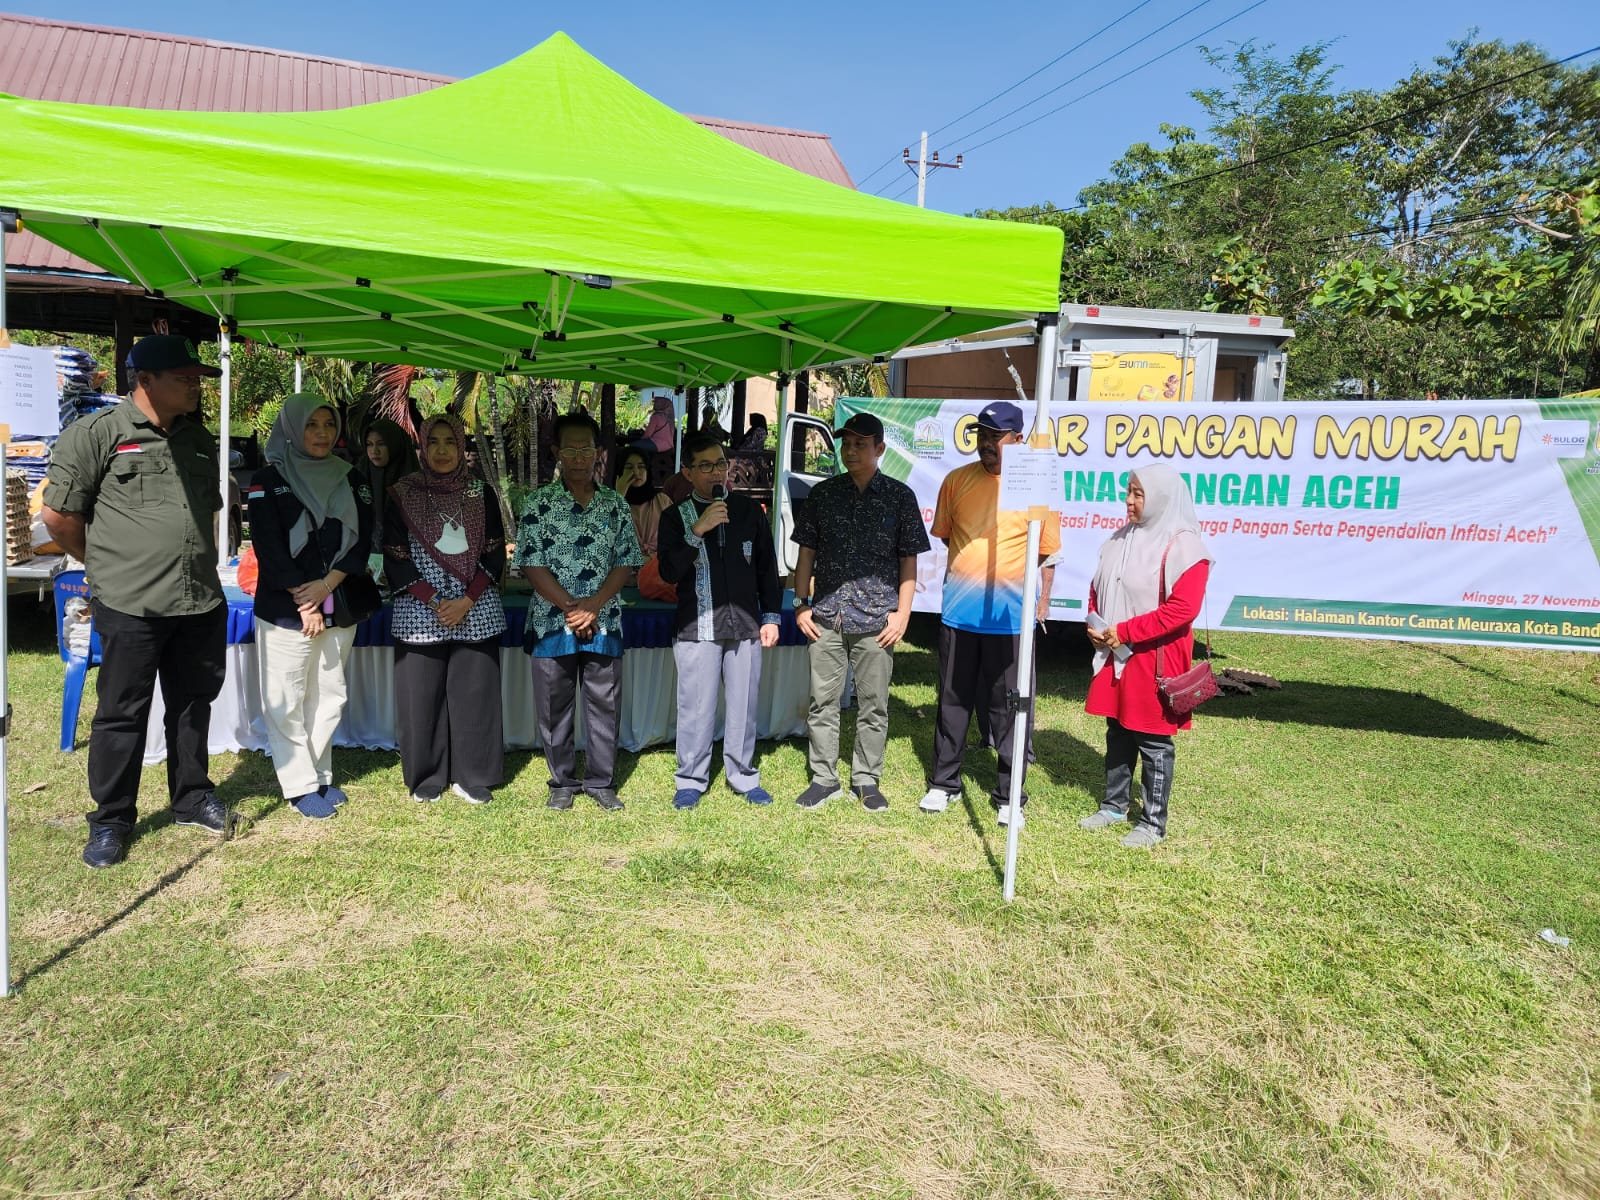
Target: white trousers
x=302, y=699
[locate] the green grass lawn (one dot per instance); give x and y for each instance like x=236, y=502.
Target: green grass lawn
x=1328, y=982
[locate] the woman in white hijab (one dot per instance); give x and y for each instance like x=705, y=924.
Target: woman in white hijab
x=1147, y=591
x=311, y=526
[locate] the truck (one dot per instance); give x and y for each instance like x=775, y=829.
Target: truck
x=1104, y=353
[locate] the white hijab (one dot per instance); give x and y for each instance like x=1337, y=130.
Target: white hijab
x=1127, y=582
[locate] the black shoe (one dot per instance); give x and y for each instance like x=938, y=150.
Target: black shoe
x=607, y=799
x=872, y=799
x=816, y=795
x=107, y=847
x=561, y=798
x=210, y=813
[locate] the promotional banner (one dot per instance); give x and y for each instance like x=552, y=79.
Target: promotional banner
x=1471, y=521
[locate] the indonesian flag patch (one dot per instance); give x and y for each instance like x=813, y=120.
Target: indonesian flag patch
x=130, y=448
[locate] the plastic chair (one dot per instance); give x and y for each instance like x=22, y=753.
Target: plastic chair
x=69, y=584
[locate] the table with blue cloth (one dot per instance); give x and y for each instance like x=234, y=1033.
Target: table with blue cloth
x=649, y=683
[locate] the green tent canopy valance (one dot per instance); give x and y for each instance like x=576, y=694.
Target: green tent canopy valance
x=545, y=216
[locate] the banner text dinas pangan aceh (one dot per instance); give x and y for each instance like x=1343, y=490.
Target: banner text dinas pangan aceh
x=1473, y=521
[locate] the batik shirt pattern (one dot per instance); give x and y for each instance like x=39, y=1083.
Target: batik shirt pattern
x=580, y=545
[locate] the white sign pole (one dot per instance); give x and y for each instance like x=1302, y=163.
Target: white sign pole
x=8, y=223
x=1022, y=698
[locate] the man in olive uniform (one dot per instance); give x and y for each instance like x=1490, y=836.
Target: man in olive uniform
x=134, y=492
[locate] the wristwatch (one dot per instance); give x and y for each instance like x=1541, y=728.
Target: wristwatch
x=802, y=602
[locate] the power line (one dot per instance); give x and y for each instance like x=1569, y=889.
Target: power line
x=1046, y=67
x=1095, y=67
x=889, y=162
x=1442, y=224
x=1372, y=125
x=1118, y=79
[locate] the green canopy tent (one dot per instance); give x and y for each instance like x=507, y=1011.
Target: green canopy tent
x=544, y=217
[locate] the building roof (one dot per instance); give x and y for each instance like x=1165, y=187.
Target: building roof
x=94, y=64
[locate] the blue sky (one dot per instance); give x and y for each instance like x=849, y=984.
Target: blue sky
x=872, y=75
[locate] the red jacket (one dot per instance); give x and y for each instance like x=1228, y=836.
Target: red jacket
x=1133, y=699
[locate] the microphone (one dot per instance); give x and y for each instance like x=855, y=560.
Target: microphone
x=718, y=492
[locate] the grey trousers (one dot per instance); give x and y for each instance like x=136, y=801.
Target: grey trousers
x=700, y=664
x=1123, y=745
x=555, y=693
x=874, y=667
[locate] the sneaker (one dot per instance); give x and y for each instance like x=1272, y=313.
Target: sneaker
x=316, y=806
x=607, y=799
x=1099, y=820
x=1143, y=837
x=936, y=801
x=686, y=798
x=106, y=848
x=758, y=795
x=424, y=796
x=561, y=798
x=472, y=795
x=1004, y=817
x=333, y=793
x=210, y=814
x=816, y=795
x=872, y=799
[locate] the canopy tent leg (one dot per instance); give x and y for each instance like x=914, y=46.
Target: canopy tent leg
x=8, y=224
x=1043, y=390
x=299, y=370
x=225, y=353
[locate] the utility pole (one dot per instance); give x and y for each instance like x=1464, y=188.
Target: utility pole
x=922, y=164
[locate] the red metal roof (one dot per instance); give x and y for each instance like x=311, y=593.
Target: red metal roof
x=94, y=64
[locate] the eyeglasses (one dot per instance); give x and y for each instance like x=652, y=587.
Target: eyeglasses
x=578, y=453
x=710, y=468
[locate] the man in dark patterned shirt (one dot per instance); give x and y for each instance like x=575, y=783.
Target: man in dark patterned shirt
x=859, y=536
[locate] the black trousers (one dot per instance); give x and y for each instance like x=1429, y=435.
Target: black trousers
x=447, y=699
x=187, y=656
x=555, y=692
x=976, y=671
x=1156, y=750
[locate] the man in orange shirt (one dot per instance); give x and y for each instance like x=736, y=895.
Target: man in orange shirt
x=981, y=632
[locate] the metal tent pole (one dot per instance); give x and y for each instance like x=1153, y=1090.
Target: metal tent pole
x=8, y=224
x=225, y=353
x=1022, y=698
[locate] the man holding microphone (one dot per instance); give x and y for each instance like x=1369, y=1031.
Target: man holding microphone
x=717, y=550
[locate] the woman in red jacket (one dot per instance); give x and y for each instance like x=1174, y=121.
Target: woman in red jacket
x=1146, y=593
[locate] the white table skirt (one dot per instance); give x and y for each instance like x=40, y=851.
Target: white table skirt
x=648, y=718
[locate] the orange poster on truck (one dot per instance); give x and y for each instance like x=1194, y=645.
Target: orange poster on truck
x=1138, y=375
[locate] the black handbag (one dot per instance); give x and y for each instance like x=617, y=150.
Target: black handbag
x=1187, y=692
x=355, y=599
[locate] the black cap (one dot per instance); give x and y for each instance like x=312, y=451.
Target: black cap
x=862, y=425
x=1002, y=416
x=168, y=352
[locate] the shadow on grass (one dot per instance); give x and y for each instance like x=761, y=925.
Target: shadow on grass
x=1378, y=710
x=1476, y=669
x=147, y=825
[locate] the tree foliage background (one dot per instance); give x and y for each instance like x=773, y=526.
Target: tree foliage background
x=1433, y=238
